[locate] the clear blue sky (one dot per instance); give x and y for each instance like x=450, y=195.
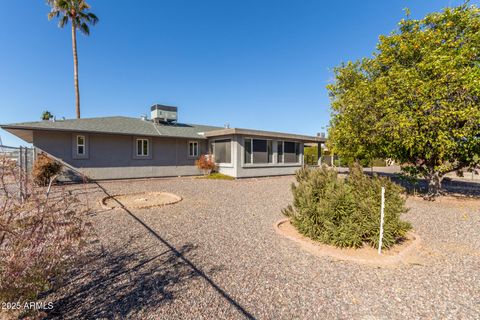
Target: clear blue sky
x=252, y=63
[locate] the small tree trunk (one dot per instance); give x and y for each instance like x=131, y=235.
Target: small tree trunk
x=434, y=180
x=75, y=69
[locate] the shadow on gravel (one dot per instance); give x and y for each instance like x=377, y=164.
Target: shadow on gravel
x=125, y=288
x=116, y=284
x=449, y=186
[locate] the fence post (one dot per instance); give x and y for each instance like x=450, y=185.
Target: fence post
x=20, y=173
x=26, y=170
x=382, y=209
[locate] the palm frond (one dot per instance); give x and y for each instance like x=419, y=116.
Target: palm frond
x=53, y=14
x=63, y=21
x=93, y=19
x=76, y=11
x=83, y=27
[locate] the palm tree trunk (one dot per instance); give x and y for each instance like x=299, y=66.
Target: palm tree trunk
x=75, y=69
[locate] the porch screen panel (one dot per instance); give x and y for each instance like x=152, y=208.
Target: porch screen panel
x=280, y=151
x=248, y=150
x=289, y=153
x=260, y=153
x=223, y=151
x=297, y=152
x=270, y=150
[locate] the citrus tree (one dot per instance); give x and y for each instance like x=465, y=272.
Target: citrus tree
x=417, y=100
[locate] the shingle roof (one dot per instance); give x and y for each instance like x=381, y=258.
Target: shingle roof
x=117, y=125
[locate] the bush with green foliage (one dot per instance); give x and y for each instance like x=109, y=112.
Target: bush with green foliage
x=416, y=100
x=310, y=155
x=346, y=212
x=47, y=115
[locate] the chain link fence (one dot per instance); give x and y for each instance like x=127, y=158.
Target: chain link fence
x=23, y=156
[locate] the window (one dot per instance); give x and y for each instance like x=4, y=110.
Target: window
x=142, y=147
x=193, y=149
x=258, y=151
x=248, y=151
x=222, y=151
x=280, y=151
x=291, y=152
x=81, y=145
x=270, y=151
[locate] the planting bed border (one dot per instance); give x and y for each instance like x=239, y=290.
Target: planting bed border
x=398, y=255
x=176, y=199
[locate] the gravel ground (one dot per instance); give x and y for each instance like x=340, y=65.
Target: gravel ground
x=215, y=255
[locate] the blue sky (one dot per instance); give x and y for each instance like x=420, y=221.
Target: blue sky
x=250, y=63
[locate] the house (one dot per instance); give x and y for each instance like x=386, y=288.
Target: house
x=123, y=147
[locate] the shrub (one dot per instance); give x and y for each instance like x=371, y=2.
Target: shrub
x=218, y=176
x=41, y=235
x=206, y=163
x=47, y=115
x=310, y=155
x=346, y=212
x=45, y=169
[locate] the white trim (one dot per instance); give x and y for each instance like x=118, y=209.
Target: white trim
x=300, y=155
x=251, y=153
x=283, y=152
x=81, y=144
x=195, y=149
x=141, y=154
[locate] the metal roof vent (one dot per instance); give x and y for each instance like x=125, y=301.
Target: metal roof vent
x=166, y=114
x=144, y=117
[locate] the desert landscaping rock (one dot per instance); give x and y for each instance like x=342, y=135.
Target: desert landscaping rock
x=405, y=252
x=215, y=255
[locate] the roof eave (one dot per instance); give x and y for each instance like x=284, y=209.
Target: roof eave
x=259, y=133
x=13, y=127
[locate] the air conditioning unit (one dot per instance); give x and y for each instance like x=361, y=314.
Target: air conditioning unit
x=166, y=114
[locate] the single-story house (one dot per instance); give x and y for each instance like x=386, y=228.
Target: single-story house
x=123, y=147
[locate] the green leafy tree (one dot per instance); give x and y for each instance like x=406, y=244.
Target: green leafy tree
x=77, y=13
x=417, y=100
x=47, y=115
x=311, y=155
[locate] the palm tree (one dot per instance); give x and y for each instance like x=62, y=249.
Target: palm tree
x=47, y=115
x=77, y=12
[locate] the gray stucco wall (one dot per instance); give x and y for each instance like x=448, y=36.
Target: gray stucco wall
x=240, y=169
x=114, y=156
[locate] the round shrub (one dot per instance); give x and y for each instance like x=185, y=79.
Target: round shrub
x=206, y=164
x=346, y=212
x=44, y=169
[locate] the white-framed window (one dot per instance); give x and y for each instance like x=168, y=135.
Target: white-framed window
x=81, y=145
x=222, y=151
x=258, y=151
x=193, y=149
x=142, y=147
x=290, y=152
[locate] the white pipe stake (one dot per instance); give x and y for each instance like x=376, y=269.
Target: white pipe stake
x=382, y=209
